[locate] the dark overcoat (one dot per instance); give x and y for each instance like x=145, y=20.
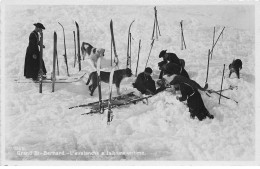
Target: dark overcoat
x=31, y=65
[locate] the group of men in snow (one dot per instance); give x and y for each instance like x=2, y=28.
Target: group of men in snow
x=173, y=75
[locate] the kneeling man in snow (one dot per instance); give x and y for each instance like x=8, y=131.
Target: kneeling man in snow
x=189, y=92
x=145, y=84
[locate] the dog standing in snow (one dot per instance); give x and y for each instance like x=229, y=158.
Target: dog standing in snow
x=93, y=53
x=235, y=66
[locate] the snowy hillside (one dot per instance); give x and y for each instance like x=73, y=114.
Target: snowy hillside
x=161, y=130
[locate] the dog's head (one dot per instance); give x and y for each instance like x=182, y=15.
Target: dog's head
x=86, y=48
x=100, y=52
x=128, y=72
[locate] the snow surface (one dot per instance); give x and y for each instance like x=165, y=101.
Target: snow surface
x=161, y=130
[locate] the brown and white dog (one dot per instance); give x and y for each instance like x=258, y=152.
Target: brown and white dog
x=92, y=52
x=119, y=75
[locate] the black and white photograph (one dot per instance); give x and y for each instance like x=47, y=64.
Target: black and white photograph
x=99, y=81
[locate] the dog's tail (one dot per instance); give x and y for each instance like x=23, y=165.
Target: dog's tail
x=89, y=78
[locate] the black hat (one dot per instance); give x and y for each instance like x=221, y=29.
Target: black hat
x=148, y=70
x=162, y=53
x=39, y=25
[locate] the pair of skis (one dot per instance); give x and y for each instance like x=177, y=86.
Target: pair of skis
x=110, y=112
x=101, y=108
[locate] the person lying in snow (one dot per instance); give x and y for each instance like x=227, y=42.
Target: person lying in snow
x=171, y=68
x=145, y=84
x=189, y=91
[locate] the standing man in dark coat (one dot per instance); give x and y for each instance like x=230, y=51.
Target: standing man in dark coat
x=32, y=57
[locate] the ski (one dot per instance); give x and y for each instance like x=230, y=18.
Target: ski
x=110, y=112
x=128, y=62
x=65, y=52
x=41, y=55
x=57, y=80
x=138, y=57
x=113, y=43
x=78, y=39
x=54, y=60
x=75, y=58
x=99, y=85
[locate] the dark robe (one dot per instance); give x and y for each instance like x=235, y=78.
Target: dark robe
x=172, y=68
x=31, y=65
x=194, y=101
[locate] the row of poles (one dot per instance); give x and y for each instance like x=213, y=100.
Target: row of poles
x=156, y=33
x=76, y=53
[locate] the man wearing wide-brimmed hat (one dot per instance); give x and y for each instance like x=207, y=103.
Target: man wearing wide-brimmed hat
x=32, y=57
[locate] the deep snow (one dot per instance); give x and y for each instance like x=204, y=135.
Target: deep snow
x=161, y=130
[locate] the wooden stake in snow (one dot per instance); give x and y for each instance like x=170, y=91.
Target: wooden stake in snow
x=182, y=36
x=221, y=84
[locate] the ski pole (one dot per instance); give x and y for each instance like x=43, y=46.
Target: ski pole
x=207, y=67
x=149, y=53
x=217, y=40
x=213, y=42
x=216, y=92
x=221, y=84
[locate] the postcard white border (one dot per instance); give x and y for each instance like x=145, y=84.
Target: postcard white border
x=256, y=3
